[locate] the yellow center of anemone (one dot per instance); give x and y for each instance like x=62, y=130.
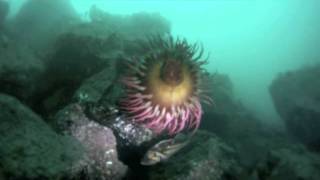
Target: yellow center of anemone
x=167, y=94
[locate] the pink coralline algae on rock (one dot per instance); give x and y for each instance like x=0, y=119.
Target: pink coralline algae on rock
x=100, y=160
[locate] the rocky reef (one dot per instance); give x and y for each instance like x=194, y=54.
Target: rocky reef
x=100, y=158
x=29, y=147
x=59, y=116
x=262, y=151
x=296, y=96
x=206, y=157
x=56, y=90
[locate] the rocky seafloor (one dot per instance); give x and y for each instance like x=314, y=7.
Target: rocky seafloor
x=58, y=115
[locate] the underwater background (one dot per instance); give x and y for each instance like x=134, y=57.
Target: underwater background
x=83, y=85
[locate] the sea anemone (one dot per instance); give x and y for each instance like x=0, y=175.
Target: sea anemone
x=165, y=85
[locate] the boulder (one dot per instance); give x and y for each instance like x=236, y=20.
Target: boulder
x=73, y=59
x=296, y=96
x=101, y=87
x=85, y=60
x=29, y=148
x=206, y=157
x=48, y=62
x=20, y=71
x=100, y=160
x=237, y=126
x=293, y=162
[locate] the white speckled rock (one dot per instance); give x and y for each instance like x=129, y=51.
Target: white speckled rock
x=100, y=159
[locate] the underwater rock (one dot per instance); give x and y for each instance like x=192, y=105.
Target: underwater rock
x=74, y=59
x=38, y=23
x=206, y=157
x=131, y=27
x=293, y=162
x=100, y=160
x=296, y=96
x=102, y=86
x=132, y=140
x=46, y=75
x=87, y=49
x=124, y=30
x=29, y=148
x=130, y=134
x=236, y=125
x=220, y=116
x=20, y=71
x=227, y=116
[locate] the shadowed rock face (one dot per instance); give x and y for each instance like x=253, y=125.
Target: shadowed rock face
x=48, y=52
x=29, y=148
x=296, y=96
